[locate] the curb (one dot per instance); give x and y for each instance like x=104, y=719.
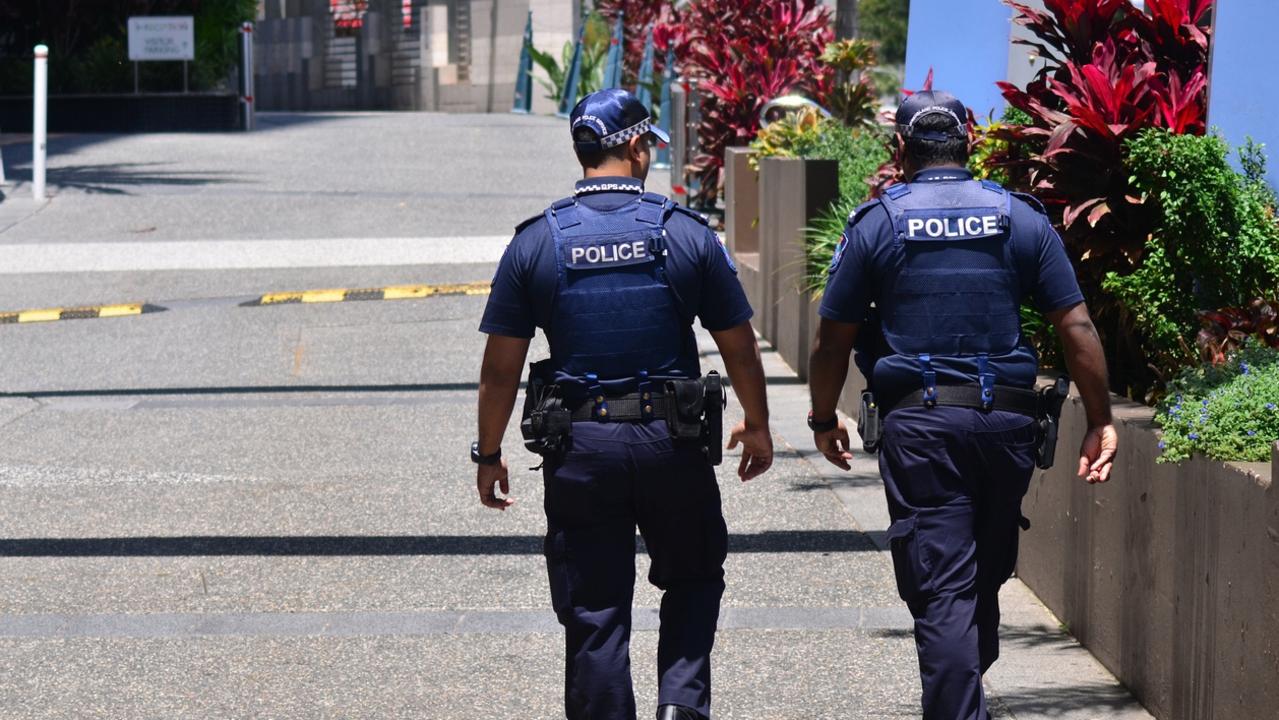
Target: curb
x=394, y=292
x=78, y=313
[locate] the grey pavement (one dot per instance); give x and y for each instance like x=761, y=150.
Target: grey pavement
x=219, y=511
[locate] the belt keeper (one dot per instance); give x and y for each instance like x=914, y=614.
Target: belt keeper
x=930, y=381
x=646, y=396
x=987, y=381
x=600, y=409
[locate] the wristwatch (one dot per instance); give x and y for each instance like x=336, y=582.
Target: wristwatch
x=823, y=426
x=479, y=459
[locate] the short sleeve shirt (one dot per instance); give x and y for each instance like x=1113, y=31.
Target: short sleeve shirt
x=697, y=266
x=867, y=261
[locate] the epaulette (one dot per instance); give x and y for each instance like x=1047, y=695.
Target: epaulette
x=692, y=213
x=861, y=211
x=520, y=228
x=1032, y=201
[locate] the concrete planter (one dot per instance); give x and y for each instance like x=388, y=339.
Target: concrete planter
x=741, y=220
x=1169, y=574
x=792, y=193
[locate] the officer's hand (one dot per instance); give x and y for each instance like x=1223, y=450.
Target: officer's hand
x=833, y=444
x=489, y=476
x=757, y=450
x=1097, y=453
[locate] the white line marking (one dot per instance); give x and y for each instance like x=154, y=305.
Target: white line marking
x=247, y=254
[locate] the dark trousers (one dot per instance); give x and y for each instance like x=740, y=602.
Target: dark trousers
x=617, y=476
x=955, y=479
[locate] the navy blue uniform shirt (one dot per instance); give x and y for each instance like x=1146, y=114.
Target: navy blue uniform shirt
x=697, y=266
x=868, y=263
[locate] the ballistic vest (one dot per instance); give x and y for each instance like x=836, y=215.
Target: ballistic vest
x=614, y=317
x=957, y=295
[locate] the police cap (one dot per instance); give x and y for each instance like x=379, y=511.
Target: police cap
x=932, y=103
x=614, y=116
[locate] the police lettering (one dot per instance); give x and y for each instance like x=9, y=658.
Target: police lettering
x=597, y=254
x=964, y=227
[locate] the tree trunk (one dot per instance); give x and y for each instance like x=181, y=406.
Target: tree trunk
x=845, y=19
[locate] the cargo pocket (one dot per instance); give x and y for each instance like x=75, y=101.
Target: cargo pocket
x=908, y=563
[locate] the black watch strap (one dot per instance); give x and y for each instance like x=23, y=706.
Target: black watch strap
x=824, y=425
x=479, y=459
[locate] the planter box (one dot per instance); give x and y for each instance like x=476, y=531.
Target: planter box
x=1169, y=574
x=792, y=193
x=741, y=221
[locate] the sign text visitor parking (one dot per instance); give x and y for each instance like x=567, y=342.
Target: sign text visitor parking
x=161, y=38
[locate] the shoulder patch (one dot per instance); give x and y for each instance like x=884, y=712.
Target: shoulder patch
x=524, y=224
x=691, y=213
x=1032, y=201
x=727, y=255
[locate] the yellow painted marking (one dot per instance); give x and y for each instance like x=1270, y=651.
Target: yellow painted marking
x=394, y=292
x=107, y=311
x=31, y=316
x=323, y=296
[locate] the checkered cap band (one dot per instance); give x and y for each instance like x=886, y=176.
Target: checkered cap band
x=621, y=136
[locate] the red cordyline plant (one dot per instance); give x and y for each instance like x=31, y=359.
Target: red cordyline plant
x=638, y=17
x=1226, y=330
x=1111, y=71
x=743, y=55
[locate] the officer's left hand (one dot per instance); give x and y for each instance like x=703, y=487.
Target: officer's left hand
x=490, y=477
x=757, y=449
x=833, y=444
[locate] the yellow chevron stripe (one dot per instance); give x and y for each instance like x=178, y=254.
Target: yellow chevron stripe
x=394, y=292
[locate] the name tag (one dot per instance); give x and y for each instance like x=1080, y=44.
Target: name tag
x=953, y=225
x=608, y=254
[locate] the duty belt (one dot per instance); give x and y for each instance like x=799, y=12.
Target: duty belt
x=1022, y=401
x=621, y=408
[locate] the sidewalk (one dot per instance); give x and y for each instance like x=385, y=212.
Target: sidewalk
x=1042, y=671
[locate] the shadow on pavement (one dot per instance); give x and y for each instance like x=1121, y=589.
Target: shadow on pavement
x=1095, y=699
x=349, y=545
x=114, y=178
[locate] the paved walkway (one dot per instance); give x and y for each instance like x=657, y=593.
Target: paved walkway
x=220, y=511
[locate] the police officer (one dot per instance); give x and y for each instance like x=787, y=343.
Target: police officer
x=946, y=262
x=614, y=277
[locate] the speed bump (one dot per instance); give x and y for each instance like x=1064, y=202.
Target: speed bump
x=77, y=313
x=393, y=292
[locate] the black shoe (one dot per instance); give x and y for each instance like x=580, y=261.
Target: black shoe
x=676, y=712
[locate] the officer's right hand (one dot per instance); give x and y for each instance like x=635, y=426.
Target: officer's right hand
x=1097, y=453
x=757, y=449
x=488, y=478
x=833, y=445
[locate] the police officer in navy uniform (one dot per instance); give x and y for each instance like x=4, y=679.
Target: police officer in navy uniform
x=615, y=277
x=944, y=262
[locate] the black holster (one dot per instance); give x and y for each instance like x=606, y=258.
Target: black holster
x=546, y=425
x=869, y=426
x=1050, y=402
x=697, y=413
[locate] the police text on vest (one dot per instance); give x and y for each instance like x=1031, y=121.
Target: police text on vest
x=610, y=253
x=972, y=226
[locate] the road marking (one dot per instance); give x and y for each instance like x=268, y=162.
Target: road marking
x=22, y=258
x=395, y=292
x=78, y=313
x=418, y=623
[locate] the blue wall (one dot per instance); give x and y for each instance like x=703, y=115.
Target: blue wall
x=967, y=49
x=1243, y=91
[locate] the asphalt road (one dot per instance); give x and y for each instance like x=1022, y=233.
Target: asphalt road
x=221, y=510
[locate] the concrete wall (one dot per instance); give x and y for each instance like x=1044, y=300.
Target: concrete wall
x=741, y=223
x=1169, y=574
x=455, y=55
x=792, y=193
x=966, y=48
x=1242, y=97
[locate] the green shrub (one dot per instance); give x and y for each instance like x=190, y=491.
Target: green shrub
x=1226, y=412
x=1215, y=243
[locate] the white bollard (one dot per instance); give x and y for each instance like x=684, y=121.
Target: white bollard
x=38, y=122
